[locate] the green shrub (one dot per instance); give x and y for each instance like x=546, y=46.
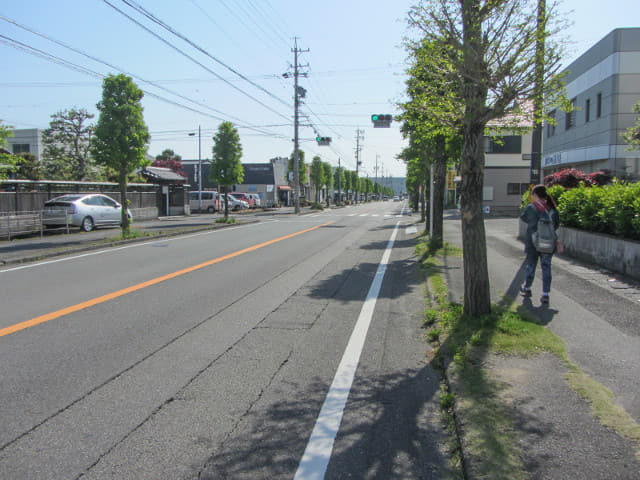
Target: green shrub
x=612, y=209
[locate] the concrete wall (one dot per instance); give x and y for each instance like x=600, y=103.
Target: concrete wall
x=612, y=253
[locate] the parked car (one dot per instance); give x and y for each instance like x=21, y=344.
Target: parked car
x=257, y=202
x=234, y=203
x=85, y=211
x=396, y=198
x=243, y=197
x=208, y=201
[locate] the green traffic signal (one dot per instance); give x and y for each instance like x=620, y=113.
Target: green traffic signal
x=375, y=118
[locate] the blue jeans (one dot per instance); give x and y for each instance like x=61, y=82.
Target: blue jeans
x=545, y=265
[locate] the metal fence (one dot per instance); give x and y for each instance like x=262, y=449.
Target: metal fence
x=29, y=223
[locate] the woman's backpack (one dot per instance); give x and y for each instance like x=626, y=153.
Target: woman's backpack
x=545, y=238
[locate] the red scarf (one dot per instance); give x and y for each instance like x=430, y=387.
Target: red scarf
x=540, y=206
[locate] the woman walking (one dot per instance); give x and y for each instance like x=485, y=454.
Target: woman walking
x=542, y=204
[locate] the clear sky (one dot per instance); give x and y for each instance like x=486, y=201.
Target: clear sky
x=355, y=68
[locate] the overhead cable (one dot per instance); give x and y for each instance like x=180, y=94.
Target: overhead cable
x=136, y=6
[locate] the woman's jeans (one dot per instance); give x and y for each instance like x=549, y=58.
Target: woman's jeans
x=545, y=265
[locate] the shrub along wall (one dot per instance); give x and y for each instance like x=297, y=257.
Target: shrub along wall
x=612, y=209
x=600, y=224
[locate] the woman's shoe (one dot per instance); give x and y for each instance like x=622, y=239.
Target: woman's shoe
x=544, y=299
x=526, y=292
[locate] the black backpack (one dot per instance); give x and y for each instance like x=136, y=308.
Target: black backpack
x=545, y=238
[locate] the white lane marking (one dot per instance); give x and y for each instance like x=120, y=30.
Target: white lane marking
x=411, y=230
x=364, y=214
x=351, y=215
x=375, y=215
x=134, y=245
x=318, y=452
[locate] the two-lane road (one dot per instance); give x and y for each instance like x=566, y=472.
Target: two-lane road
x=210, y=355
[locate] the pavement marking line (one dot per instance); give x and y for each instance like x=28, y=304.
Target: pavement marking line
x=317, y=454
x=110, y=296
x=126, y=247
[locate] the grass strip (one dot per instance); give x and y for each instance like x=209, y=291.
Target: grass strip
x=488, y=441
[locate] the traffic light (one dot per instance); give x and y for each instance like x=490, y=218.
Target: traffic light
x=323, y=141
x=381, y=120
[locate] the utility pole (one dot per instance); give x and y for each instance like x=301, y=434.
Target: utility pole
x=359, y=136
x=339, y=183
x=298, y=93
x=199, y=168
x=296, y=116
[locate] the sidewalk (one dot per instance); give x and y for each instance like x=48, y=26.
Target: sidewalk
x=597, y=314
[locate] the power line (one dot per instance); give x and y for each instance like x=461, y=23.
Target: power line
x=67, y=64
x=136, y=6
x=98, y=60
x=193, y=59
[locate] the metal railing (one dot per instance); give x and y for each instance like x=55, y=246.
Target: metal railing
x=31, y=223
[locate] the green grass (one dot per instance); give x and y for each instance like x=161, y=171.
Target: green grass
x=226, y=220
x=489, y=437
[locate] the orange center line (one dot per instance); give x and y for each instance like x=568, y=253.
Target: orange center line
x=110, y=296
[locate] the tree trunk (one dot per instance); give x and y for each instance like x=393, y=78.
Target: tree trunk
x=226, y=202
x=438, y=184
x=423, y=215
x=124, y=219
x=477, y=295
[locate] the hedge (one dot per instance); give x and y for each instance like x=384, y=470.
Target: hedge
x=613, y=209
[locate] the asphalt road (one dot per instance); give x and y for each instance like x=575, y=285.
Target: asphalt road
x=210, y=355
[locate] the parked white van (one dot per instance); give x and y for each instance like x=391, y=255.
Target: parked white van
x=208, y=201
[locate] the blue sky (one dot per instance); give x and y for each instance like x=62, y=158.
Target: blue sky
x=355, y=68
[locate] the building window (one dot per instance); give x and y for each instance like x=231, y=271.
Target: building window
x=517, y=188
x=551, y=124
x=599, y=105
x=513, y=189
x=505, y=144
x=20, y=148
x=570, y=119
x=587, y=110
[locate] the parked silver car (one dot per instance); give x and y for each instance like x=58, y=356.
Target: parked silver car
x=234, y=203
x=84, y=211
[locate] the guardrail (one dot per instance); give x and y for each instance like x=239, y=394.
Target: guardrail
x=33, y=223
x=30, y=223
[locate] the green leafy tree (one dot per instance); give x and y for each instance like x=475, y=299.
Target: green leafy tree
x=121, y=136
x=226, y=169
x=355, y=184
x=432, y=137
x=67, y=146
x=489, y=51
x=7, y=161
x=317, y=176
x=346, y=186
x=302, y=168
x=28, y=167
x=328, y=178
x=632, y=134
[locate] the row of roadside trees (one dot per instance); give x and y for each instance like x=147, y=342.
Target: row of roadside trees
x=323, y=176
x=471, y=62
